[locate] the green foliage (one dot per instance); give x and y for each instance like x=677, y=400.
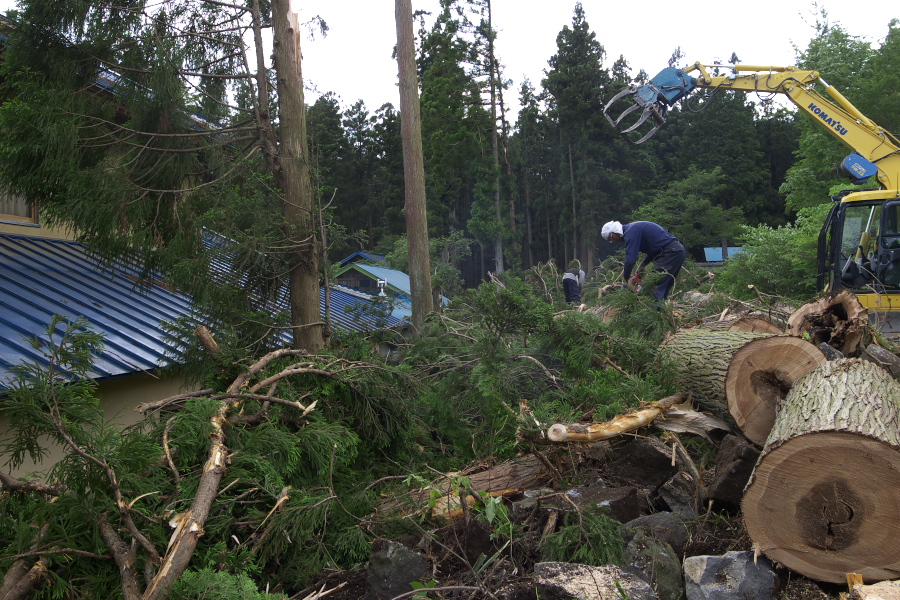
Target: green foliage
x=693, y=209
x=586, y=538
x=779, y=261
x=209, y=584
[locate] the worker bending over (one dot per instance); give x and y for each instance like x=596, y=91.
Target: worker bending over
x=661, y=247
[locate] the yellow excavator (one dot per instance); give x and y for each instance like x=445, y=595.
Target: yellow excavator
x=859, y=245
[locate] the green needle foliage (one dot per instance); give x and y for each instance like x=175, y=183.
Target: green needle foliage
x=586, y=538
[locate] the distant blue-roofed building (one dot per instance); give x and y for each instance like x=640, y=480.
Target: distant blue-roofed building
x=41, y=277
x=369, y=257
x=715, y=254
x=373, y=279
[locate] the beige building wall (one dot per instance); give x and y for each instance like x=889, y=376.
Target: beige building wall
x=34, y=230
x=118, y=397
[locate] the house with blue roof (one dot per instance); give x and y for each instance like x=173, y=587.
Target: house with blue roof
x=44, y=276
x=379, y=280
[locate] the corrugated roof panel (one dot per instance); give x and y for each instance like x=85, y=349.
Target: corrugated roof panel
x=41, y=277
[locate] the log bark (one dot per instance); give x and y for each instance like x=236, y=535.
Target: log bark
x=760, y=375
x=822, y=498
x=752, y=323
x=701, y=359
x=837, y=319
x=525, y=473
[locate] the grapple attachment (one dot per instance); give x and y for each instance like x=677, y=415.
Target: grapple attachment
x=654, y=99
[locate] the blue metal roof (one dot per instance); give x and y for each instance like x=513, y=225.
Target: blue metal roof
x=363, y=255
x=43, y=277
x=398, y=281
x=40, y=278
x=715, y=254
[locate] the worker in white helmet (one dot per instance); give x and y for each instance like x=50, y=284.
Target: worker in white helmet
x=661, y=247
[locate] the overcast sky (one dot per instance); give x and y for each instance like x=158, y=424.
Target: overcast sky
x=354, y=59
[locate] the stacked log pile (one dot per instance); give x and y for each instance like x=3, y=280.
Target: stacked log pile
x=822, y=496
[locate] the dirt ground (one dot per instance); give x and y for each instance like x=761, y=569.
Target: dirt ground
x=714, y=535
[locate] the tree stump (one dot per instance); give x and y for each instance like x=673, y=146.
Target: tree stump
x=760, y=375
x=837, y=319
x=741, y=376
x=822, y=499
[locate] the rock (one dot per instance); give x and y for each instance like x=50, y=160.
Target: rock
x=682, y=495
x=583, y=582
x=656, y=563
x=392, y=568
x=733, y=576
x=620, y=503
x=883, y=590
x=734, y=465
x=667, y=527
x=645, y=462
x=831, y=353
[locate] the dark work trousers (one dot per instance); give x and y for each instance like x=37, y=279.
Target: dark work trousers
x=570, y=287
x=669, y=261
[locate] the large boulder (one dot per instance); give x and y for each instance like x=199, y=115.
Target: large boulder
x=584, y=582
x=392, y=568
x=733, y=576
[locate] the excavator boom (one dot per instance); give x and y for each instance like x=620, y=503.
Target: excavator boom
x=859, y=246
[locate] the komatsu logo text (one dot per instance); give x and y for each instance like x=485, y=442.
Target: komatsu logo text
x=836, y=125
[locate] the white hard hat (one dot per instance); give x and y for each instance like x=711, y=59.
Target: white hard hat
x=611, y=227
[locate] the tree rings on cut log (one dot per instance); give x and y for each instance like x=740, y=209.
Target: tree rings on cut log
x=759, y=377
x=822, y=500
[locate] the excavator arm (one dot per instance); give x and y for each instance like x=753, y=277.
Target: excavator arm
x=859, y=245
x=876, y=152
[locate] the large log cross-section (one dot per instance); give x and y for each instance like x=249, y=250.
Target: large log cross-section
x=822, y=499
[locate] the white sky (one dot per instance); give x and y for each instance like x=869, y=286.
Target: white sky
x=354, y=59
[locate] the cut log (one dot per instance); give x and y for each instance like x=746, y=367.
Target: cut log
x=740, y=376
x=753, y=323
x=822, y=500
x=701, y=359
x=759, y=377
x=837, y=318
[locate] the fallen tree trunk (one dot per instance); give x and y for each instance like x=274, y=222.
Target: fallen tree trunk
x=837, y=319
x=593, y=432
x=741, y=376
x=822, y=498
x=527, y=472
x=701, y=359
x=752, y=323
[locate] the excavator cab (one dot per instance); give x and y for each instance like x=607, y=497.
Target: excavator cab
x=859, y=249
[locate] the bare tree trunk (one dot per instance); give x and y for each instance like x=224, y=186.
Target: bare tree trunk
x=413, y=167
x=495, y=147
x=529, y=253
x=574, y=211
x=293, y=160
